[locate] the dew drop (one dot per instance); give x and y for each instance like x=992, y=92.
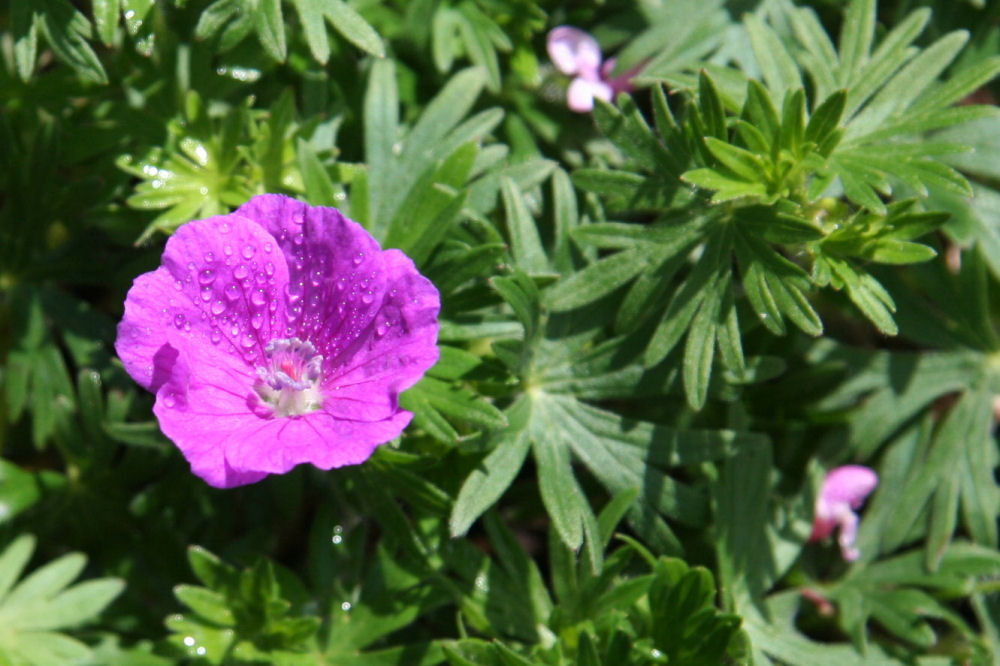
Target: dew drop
x=298, y=238
x=206, y=293
x=240, y=272
x=209, y=257
x=216, y=336
x=201, y=651
x=368, y=297
x=248, y=251
x=232, y=292
x=187, y=326
x=228, y=250
x=257, y=297
x=224, y=228
x=317, y=278
x=235, y=330
x=269, y=268
x=358, y=258
x=189, y=641
x=268, y=247
x=346, y=606
x=178, y=285
x=257, y=320
x=207, y=276
x=178, y=320
x=169, y=400
x=248, y=339
x=218, y=307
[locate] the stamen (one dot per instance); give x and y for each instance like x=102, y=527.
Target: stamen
x=289, y=382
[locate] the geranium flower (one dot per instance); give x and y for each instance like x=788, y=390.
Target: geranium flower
x=278, y=335
x=577, y=54
x=843, y=491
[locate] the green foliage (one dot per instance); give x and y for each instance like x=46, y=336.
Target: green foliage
x=662, y=322
x=239, y=615
x=36, y=610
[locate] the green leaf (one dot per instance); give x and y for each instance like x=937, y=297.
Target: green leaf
x=780, y=72
x=525, y=244
x=66, y=30
x=106, y=19
x=561, y=494
x=270, y=26
x=352, y=26
x=742, y=163
x=311, y=19
x=24, y=27
x=496, y=472
x=856, y=35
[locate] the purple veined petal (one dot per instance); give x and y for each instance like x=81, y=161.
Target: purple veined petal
x=396, y=350
x=336, y=272
x=574, y=52
x=850, y=484
x=581, y=94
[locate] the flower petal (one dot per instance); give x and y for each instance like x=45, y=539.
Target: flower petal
x=582, y=92
x=574, y=51
x=336, y=272
x=850, y=484
x=399, y=345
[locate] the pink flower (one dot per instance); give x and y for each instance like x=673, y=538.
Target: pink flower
x=278, y=335
x=576, y=53
x=844, y=490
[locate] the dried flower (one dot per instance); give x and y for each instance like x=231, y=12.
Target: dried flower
x=577, y=54
x=278, y=335
x=844, y=490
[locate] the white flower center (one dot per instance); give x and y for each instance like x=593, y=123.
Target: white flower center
x=289, y=384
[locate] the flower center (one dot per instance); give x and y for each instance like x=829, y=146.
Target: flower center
x=288, y=384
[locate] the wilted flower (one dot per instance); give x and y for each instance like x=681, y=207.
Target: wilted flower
x=577, y=54
x=844, y=490
x=280, y=334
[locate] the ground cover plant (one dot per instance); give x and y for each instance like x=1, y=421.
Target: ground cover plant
x=646, y=332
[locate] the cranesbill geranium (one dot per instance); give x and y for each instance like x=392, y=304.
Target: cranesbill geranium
x=843, y=492
x=577, y=54
x=280, y=334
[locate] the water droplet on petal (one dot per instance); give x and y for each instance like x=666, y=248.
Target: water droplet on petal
x=257, y=297
x=228, y=250
x=206, y=293
x=178, y=285
x=207, y=276
x=169, y=400
x=240, y=272
x=216, y=336
x=178, y=320
x=368, y=297
x=232, y=292
x=224, y=228
x=248, y=339
x=358, y=258
x=248, y=251
x=257, y=320
x=298, y=238
x=218, y=307
x=268, y=247
x=269, y=268
x=209, y=257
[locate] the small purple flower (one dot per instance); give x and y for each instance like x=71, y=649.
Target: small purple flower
x=844, y=490
x=278, y=335
x=577, y=54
